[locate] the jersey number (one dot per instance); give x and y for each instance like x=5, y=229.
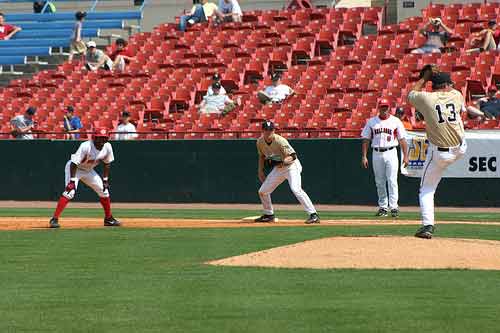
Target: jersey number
x=450, y=108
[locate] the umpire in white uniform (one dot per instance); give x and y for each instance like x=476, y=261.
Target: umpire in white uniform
x=385, y=132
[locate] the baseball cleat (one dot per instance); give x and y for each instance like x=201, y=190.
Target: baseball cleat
x=54, y=223
x=314, y=218
x=382, y=212
x=425, y=231
x=395, y=212
x=265, y=219
x=111, y=222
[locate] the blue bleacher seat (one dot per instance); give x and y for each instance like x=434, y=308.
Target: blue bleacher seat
x=70, y=16
x=56, y=42
x=12, y=60
x=115, y=24
x=31, y=34
x=26, y=51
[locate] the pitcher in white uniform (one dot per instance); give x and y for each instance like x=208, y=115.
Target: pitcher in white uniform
x=385, y=133
x=81, y=168
x=275, y=151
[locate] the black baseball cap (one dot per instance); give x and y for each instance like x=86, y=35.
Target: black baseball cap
x=79, y=15
x=492, y=23
x=216, y=77
x=268, y=125
x=440, y=78
x=125, y=114
x=70, y=109
x=31, y=110
x=216, y=85
x=275, y=76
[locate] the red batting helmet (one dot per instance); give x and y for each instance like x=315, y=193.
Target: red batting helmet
x=101, y=132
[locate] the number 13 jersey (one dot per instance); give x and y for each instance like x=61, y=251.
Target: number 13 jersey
x=441, y=111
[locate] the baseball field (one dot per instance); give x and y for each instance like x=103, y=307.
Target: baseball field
x=204, y=269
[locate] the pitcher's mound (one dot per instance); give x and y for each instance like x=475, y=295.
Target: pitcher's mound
x=376, y=252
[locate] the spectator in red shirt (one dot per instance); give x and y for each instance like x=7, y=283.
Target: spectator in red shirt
x=121, y=55
x=7, y=30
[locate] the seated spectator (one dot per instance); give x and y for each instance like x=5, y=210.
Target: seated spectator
x=275, y=93
x=230, y=11
x=217, y=103
x=77, y=46
x=23, y=125
x=95, y=58
x=126, y=130
x=199, y=13
x=487, y=107
x=485, y=39
x=72, y=124
x=400, y=113
x=7, y=31
x=38, y=7
x=216, y=78
x=121, y=55
x=437, y=34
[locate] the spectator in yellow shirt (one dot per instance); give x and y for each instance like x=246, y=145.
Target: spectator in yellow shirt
x=199, y=13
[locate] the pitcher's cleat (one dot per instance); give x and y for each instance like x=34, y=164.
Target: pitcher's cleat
x=111, y=222
x=314, y=218
x=54, y=223
x=382, y=212
x=425, y=232
x=395, y=212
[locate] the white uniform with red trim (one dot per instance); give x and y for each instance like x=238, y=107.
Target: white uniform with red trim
x=87, y=157
x=385, y=135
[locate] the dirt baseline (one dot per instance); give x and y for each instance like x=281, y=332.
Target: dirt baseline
x=387, y=252
x=30, y=223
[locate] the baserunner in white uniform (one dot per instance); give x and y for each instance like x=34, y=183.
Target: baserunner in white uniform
x=81, y=168
x=275, y=151
x=445, y=131
x=385, y=133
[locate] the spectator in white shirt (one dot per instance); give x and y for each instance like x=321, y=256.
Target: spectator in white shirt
x=217, y=103
x=96, y=58
x=126, y=130
x=275, y=93
x=216, y=78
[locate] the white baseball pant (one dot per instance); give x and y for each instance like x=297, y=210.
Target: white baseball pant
x=278, y=176
x=385, y=168
x=436, y=163
x=89, y=178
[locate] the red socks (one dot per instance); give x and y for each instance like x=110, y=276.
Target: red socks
x=106, y=205
x=63, y=201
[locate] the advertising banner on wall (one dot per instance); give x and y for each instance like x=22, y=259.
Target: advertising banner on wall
x=480, y=160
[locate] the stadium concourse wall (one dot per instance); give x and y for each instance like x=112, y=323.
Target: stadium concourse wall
x=217, y=171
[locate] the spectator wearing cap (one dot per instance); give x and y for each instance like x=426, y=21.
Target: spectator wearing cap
x=43, y=7
x=276, y=92
x=230, y=10
x=217, y=103
x=22, y=125
x=121, y=55
x=199, y=13
x=485, y=39
x=72, y=124
x=487, y=107
x=77, y=46
x=126, y=130
x=401, y=115
x=437, y=34
x=96, y=59
x=7, y=31
x=216, y=78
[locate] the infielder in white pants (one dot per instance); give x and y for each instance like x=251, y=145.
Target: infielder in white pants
x=445, y=131
x=277, y=153
x=385, y=132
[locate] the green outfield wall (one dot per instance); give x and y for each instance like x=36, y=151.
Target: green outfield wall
x=217, y=172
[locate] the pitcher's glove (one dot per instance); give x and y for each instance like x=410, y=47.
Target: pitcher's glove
x=273, y=161
x=427, y=71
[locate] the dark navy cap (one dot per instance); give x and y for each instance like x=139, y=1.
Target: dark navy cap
x=125, y=114
x=216, y=77
x=70, y=109
x=31, y=110
x=268, y=125
x=275, y=76
x=216, y=85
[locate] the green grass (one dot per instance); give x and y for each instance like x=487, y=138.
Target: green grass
x=154, y=280
x=222, y=214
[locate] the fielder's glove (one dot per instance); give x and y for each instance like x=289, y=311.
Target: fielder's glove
x=273, y=161
x=427, y=71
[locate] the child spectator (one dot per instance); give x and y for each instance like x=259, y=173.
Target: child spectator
x=77, y=45
x=199, y=13
x=121, y=56
x=7, y=31
x=126, y=130
x=72, y=124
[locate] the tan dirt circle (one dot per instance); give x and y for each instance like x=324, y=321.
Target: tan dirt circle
x=386, y=252
x=30, y=223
